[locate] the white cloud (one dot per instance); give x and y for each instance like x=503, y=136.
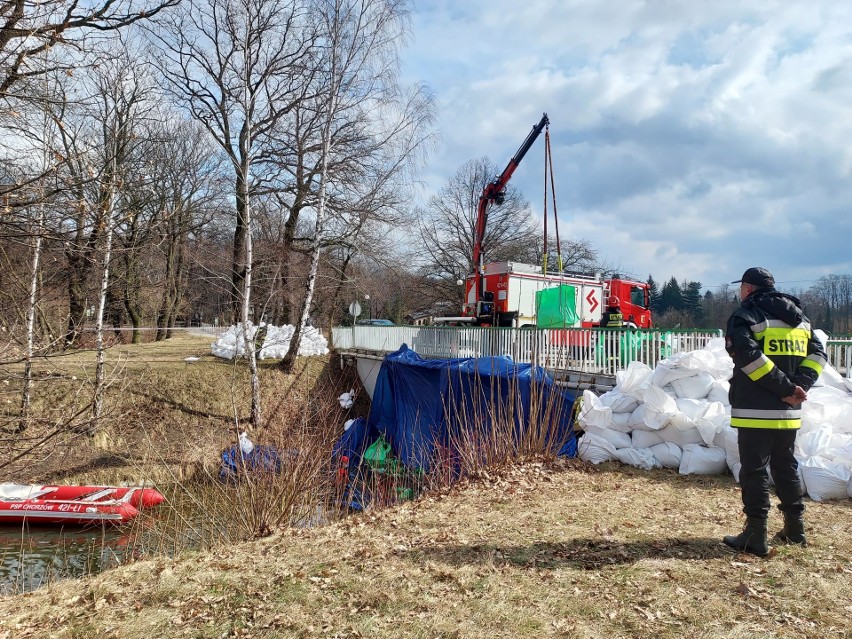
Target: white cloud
x=690, y=139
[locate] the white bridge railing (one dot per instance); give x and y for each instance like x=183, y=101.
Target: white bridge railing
x=839, y=351
x=579, y=349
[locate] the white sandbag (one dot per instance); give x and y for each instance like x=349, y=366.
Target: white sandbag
x=667, y=371
x=681, y=437
x=813, y=443
x=719, y=365
x=595, y=449
x=687, y=411
x=658, y=399
x=693, y=387
x=593, y=412
x=667, y=454
x=840, y=449
x=824, y=479
x=831, y=378
x=843, y=422
x=621, y=422
x=711, y=421
x=827, y=395
x=732, y=448
x=618, y=401
x=656, y=410
x=735, y=471
x=711, y=359
x=645, y=418
x=639, y=457
x=646, y=438
x=617, y=439
x=634, y=380
x=700, y=460
x=637, y=418
x=719, y=392
x=825, y=405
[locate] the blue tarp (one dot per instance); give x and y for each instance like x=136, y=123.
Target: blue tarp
x=235, y=463
x=421, y=404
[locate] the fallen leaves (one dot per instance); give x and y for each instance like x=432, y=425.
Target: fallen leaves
x=572, y=557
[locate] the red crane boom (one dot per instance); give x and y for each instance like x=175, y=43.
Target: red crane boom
x=495, y=192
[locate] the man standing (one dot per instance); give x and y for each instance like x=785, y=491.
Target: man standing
x=612, y=317
x=777, y=359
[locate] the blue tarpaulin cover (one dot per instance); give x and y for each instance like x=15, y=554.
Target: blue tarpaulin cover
x=420, y=404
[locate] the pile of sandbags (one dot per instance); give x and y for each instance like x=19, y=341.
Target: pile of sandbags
x=276, y=341
x=678, y=416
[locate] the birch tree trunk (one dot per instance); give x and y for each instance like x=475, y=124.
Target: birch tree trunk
x=109, y=216
x=288, y=363
x=31, y=314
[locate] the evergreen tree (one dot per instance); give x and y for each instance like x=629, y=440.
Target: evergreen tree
x=692, y=301
x=671, y=297
x=654, y=294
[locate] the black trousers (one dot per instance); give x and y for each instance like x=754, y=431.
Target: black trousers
x=762, y=448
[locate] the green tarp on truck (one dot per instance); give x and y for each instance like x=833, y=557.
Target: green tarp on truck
x=556, y=307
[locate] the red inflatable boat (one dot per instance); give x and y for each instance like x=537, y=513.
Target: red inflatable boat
x=81, y=505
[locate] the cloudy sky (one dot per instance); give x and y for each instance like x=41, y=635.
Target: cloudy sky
x=691, y=138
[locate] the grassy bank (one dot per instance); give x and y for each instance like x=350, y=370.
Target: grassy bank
x=171, y=408
x=559, y=549
x=554, y=551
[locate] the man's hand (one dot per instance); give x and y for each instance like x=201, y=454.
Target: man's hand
x=799, y=395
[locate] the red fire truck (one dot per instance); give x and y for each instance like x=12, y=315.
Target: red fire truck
x=509, y=296
x=504, y=293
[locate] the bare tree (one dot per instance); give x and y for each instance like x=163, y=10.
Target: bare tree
x=448, y=222
x=239, y=67
x=190, y=187
x=31, y=28
x=100, y=135
x=358, y=87
x=375, y=143
x=835, y=294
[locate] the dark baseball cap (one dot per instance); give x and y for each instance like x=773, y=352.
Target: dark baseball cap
x=757, y=276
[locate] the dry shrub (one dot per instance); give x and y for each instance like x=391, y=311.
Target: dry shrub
x=493, y=426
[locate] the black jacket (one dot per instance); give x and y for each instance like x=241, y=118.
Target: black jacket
x=612, y=318
x=774, y=350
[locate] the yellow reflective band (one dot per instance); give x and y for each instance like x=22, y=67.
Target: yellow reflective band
x=774, y=424
x=760, y=372
x=785, y=341
x=809, y=363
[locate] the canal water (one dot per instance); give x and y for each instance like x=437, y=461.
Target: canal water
x=32, y=557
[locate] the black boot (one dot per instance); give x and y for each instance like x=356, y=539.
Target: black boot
x=793, y=531
x=752, y=539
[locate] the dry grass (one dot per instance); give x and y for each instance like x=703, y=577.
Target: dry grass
x=562, y=550
x=542, y=549
x=164, y=415
x=167, y=422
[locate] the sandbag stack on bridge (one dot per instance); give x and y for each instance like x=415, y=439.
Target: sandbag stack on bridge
x=678, y=416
